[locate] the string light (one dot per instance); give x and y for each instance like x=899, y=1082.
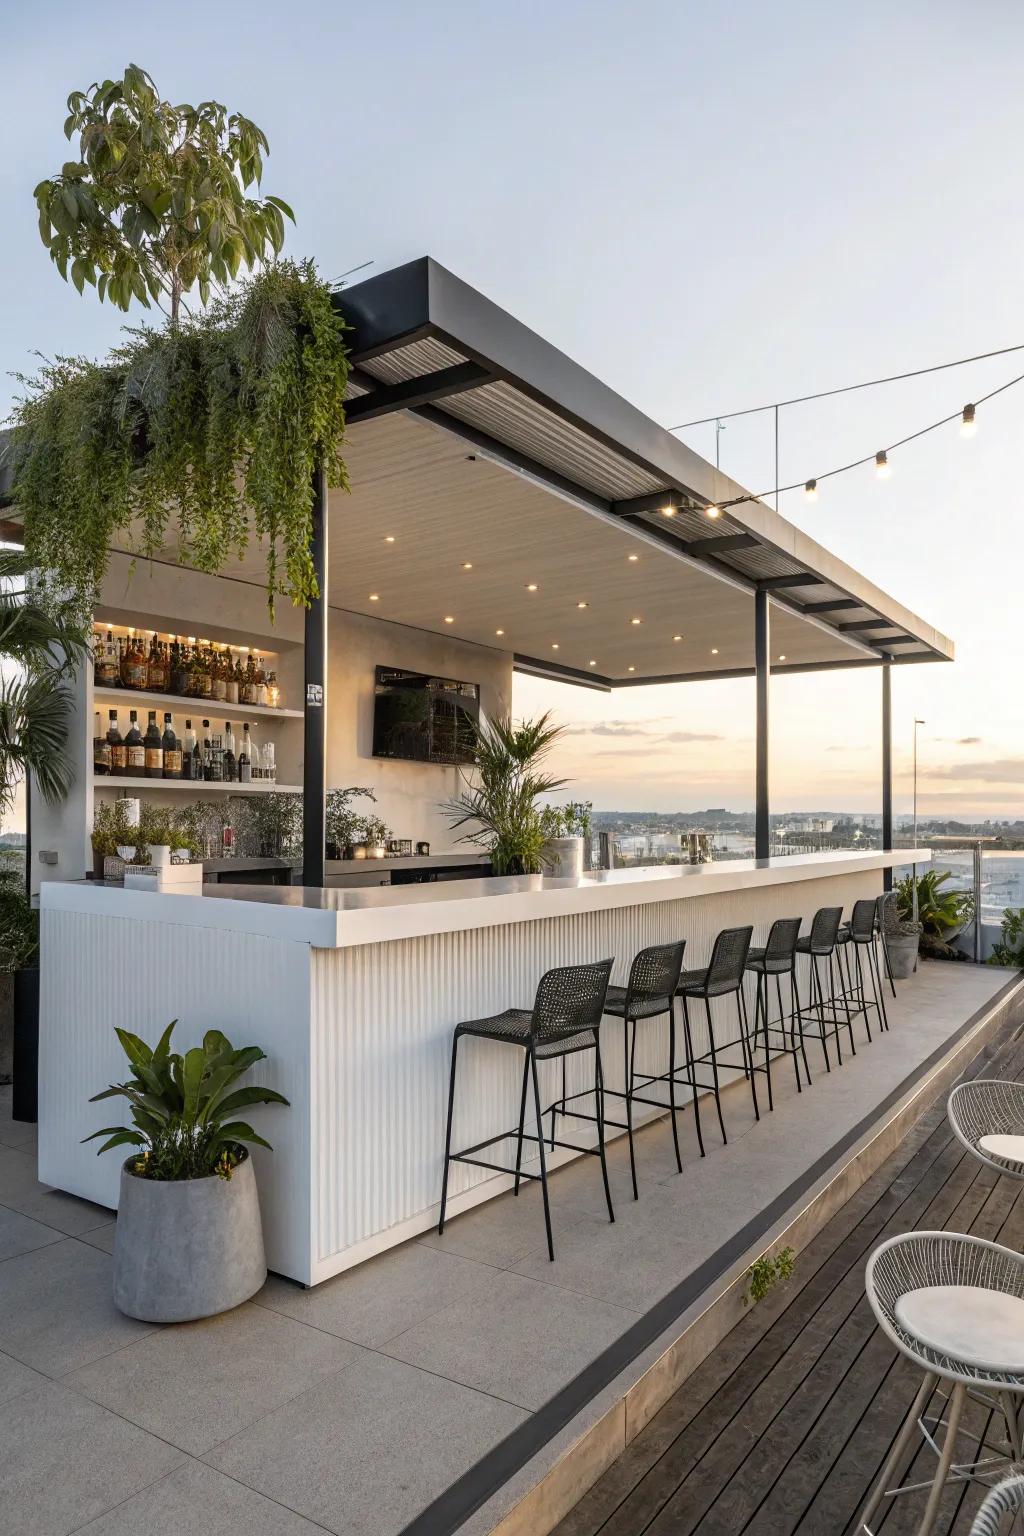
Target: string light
x=882, y=467
x=712, y=511
x=968, y=426
x=811, y=490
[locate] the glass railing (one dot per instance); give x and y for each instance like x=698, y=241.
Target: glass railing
x=995, y=879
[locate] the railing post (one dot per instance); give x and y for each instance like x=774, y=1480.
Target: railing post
x=977, y=903
x=314, y=760
x=762, y=673
x=887, y=766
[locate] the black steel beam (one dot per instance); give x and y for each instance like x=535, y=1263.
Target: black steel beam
x=801, y=579
x=863, y=624
x=655, y=501
x=762, y=675
x=725, y=674
x=407, y=393
x=314, y=730
x=883, y=640
x=833, y=607
x=534, y=667
x=719, y=545
x=887, y=765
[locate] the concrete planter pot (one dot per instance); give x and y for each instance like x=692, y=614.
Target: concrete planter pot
x=187, y=1248
x=902, y=950
x=563, y=857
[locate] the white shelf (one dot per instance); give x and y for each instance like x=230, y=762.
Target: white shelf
x=200, y=786
x=182, y=704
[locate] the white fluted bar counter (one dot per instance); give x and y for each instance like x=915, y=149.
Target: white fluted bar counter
x=353, y=994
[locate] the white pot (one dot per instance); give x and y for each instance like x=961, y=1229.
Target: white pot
x=125, y=853
x=159, y=854
x=563, y=857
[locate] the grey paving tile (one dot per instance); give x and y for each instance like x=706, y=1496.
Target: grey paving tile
x=197, y=1384
x=101, y=1237
x=57, y=1311
x=193, y=1494
x=520, y=1340
x=19, y=1234
x=21, y=1191
x=17, y=1133
x=66, y=1460
x=501, y=1231
x=367, y=1449
x=15, y=1378
x=383, y=1297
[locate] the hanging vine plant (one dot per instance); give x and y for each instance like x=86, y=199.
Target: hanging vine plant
x=198, y=437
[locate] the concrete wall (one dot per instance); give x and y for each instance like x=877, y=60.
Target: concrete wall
x=408, y=794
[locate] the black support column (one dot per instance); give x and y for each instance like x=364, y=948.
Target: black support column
x=314, y=764
x=887, y=764
x=762, y=671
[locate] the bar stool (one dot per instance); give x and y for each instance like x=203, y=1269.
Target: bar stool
x=778, y=959
x=820, y=947
x=648, y=994
x=722, y=977
x=860, y=936
x=565, y=1018
x=882, y=904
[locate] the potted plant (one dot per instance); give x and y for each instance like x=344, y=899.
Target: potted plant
x=113, y=831
x=189, y=1241
x=566, y=831
x=375, y=834
x=501, y=808
x=1010, y=948
x=943, y=913
x=902, y=930
x=343, y=827
x=19, y=966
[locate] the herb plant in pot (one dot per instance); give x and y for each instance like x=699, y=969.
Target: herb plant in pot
x=501, y=808
x=189, y=1241
x=566, y=831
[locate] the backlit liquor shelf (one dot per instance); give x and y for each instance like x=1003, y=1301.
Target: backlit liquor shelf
x=130, y=659
x=199, y=786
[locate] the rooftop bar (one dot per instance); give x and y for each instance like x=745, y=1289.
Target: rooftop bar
x=354, y=995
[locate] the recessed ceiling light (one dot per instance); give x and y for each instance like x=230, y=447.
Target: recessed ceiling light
x=582, y=605
x=374, y=597
x=635, y=621
x=531, y=586
x=554, y=645
x=467, y=565
x=591, y=663
x=499, y=631
x=714, y=650
x=389, y=538
x=782, y=658
x=448, y=619
x=668, y=511
x=631, y=669
x=677, y=637
x=632, y=557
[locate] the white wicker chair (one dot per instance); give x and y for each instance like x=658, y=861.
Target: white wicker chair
x=988, y=1107
x=922, y=1260
x=1006, y=1498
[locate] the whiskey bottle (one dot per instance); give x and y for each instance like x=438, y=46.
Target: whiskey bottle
x=231, y=675
x=245, y=757
x=134, y=748
x=172, y=751
x=100, y=748
x=154, y=752
x=218, y=678
x=188, y=747
x=118, y=750
x=230, y=761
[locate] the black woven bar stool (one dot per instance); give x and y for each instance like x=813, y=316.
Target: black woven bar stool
x=722, y=977
x=881, y=906
x=859, y=939
x=778, y=959
x=648, y=994
x=565, y=1018
x=825, y=1004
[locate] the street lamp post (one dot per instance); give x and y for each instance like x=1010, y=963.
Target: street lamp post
x=914, y=867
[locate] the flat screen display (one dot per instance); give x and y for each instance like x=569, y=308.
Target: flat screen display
x=424, y=719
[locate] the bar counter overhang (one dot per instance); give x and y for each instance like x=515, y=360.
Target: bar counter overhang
x=354, y=995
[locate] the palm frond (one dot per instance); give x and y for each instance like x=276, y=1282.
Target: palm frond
x=35, y=720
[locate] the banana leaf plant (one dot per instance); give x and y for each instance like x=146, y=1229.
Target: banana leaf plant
x=183, y=1106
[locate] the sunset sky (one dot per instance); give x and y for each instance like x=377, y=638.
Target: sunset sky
x=710, y=208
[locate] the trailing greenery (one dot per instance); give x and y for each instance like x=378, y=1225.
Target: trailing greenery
x=501, y=809
x=201, y=436
x=156, y=201
x=182, y=1106
x=19, y=924
x=768, y=1271
x=1010, y=949
x=942, y=914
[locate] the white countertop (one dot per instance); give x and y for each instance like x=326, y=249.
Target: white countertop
x=335, y=919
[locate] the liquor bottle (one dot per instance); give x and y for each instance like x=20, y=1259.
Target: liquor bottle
x=179, y=667
x=215, y=760
x=154, y=749
x=247, y=692
x=172, y=750
x=205, y=750
x=206, y=674
x=245, y=757
x=106, y=673
x=100, y=748
x=186, y=745
x=196, y=752
x=156, y=681
x=231, y=676
x=118, y=750
x=273, y=691
x=255, y=760
x=218, y=678
x=269, y=762
x=230, y=761
x=136, y=751
x=227, y=841
x=261, y=683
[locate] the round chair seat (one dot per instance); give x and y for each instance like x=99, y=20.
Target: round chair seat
x=1009, y=1148
x=981, y=1327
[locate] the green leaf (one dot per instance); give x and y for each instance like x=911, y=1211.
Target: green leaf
x=238, y=1130
x=193, y=1067
x=163, y=1045
x=137, y=1051
x=251, y=1095
x=278, y=202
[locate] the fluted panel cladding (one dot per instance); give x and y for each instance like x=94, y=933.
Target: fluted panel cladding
x=383, y=1017
x=99, y=972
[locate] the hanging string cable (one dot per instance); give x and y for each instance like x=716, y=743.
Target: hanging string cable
x=847, y=389
x=869, y=458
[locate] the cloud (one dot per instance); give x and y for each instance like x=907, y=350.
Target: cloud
x=1000, y=770
x=630, y=730
x=960, y=741
x=860, y=748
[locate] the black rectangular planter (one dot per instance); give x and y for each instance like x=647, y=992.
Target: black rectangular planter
x=26, y=1044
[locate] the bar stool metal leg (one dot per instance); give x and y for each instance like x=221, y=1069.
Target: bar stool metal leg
x=448, y=1137
x=891, y=1471
x=741, y=1010
x=540, y=1149
x=687, y=1036
x=599, y=1110
x=628, y=1060
x=672, y=1081
x=522, y=1122
x=714, y=1070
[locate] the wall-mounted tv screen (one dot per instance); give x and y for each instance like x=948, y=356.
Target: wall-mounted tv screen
x=424, y=719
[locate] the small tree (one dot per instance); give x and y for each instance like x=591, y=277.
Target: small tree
x=156, y=202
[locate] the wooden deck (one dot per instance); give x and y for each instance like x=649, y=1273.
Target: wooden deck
x=785, y=1427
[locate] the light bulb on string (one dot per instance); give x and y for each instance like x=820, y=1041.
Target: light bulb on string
x=968, y=426
x=811, y=490
x=883, y=469
x=712, y=511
